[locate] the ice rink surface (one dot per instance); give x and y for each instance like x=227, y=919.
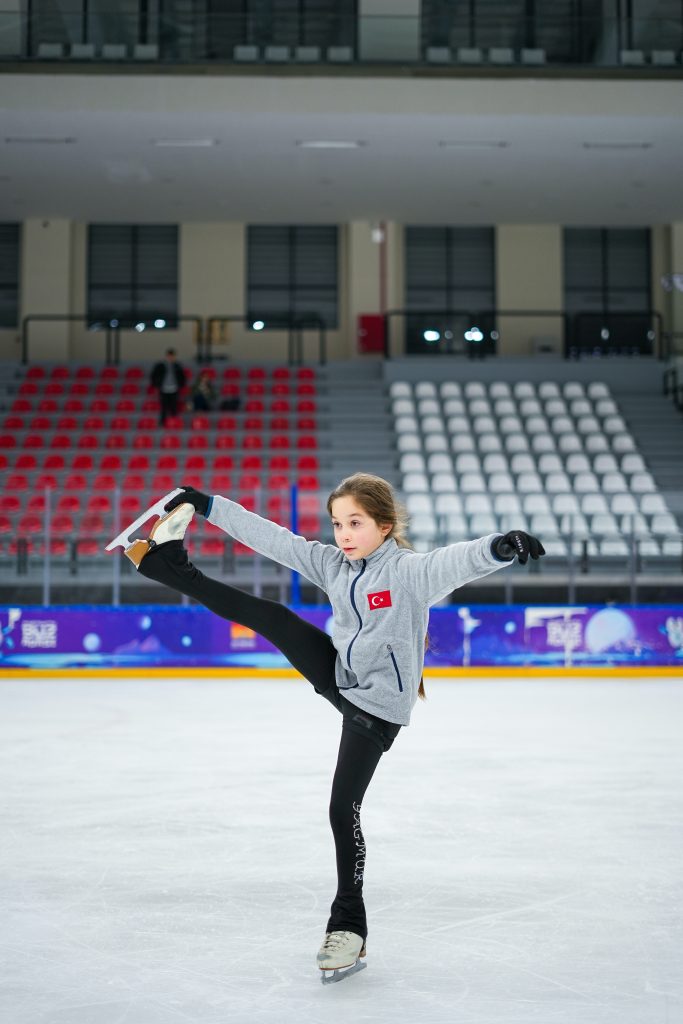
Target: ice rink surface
x=166, y=856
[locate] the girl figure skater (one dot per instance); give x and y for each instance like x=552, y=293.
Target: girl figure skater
x=370, y=669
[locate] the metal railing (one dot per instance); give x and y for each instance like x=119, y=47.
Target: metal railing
x=476, y=333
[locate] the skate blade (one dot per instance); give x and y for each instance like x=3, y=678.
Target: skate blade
x=333, y=975
x=157, y=509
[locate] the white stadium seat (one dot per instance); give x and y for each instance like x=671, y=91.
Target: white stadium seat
x=443, y=483
x=515, y=443
x=467, y=462
x=622, y=443
x=543, y=526
x=587, y=425
x=593, y=505
x=548, y=389
x=406, y=425
x=447, y=504
x=606, y=407
x=530, y=407
x=580, y=407
x=541, y=443
x=489, y=443
x=472, y=483
x=642, y=483
x=562, y=425
x=428, y=407
x=415, y=483
x=435, y=443
x=521, y=462
x=568, y=443
x=499, y=389
x=605, y=463
x=423, y=527
x=501, y=483
x=596, y=389
x=614, y=483
x=529, y=483
x=494, y=462
x=425, y=389
x=614, y=547
x=455, y=527
x=419, y=504
x=475, y=503
x=555, y=407
x=462, y=443
x=507, y=504
x=577, y=462
x=408, y=443
x=450, y=389
x=595, y=443
x=454, y=407
x=400, y=389
x=475, y=389
x=439, y=462
x=564, y=503
x=411, y=462
x=504, y=407
x=483, y=425
x=558, y=483
x=403, y=407
x=432, y=425
x=573, y=389
x=549, y=462
x=614, y=425
x=632, y=463
x=523, y=389
x=510, y=425
x=479, y=407
x=623, y=504
x=652, y=504
x=664, y=523
x=536, y=425
x=458, y=425
x=482, y=524
x=603, y=524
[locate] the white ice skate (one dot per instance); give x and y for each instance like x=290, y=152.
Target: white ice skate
x=340, y=956
x=157, y=509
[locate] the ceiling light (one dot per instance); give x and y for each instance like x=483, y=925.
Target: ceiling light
x=330, y=144
x=473, y=144
x=185, y=143
x=617, y=145
x=47, y=140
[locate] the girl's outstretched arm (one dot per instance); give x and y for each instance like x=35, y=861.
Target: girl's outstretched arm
x=309, y=557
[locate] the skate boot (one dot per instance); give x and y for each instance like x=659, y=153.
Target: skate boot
x=157, y=509
x=340, y=956
x=172, y=526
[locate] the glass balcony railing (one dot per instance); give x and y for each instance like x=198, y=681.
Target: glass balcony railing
x=169, y=34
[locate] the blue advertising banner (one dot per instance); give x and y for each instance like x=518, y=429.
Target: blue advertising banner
x=479, y=635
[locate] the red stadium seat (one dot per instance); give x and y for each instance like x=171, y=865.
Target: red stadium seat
x=75, y=482
x=138, y=462
x=112, y=463
x=69, y=503
x=134, y=373
x=200, y=423
x=279, y=423
x=280, y=405
x=247, y=501
x=307, y=462
x=109, y=373
x=5, y=525
x=163, y=482
x=143, y=441
x=232, y=373
x=85, y=373
x=10, y=503
x=249, y=482
x=309, y=526
x=212, y=547
x=28, y=387
x=281, y=373
x=305, y=373
x=279, y=462
x=100, y=405
x=253, y=423
x=306, y=423
x=7, y=441
x=124, y=405
x=21, y=405
x=92, y=523
x=15, y=482
x=195, y=462
x=281, y=388
x=31, y=523
x=220, y=483
x=98, y=503
x=36, y=503
x=87, y=547
x=131, y=504
x=146, y=423
x=256, y=388
x=104, y=387
x=73, y=405
x=150, y=405
x=94, y=423
x=168, y=462
x=13, y=423
x=31, y=441
x=225, y=441
x=54, y=387
x=54, y=461
x=198, y=441
x=278, y=482
x=35, y=373
x=118, y=423
x=104, y=482
x=116, y=441
x=279, y=441
x=307, y=441
x=227, y=423
x=174, y=423
x=308, y=483
x=45, y=480
x=230, y=390
x=222, y=462
x=194, y=480
x=67, y=423
x=252, y=441
x=133, y=482
x=254, y=405
x=306, y=405
x=171, y=441
x=41, y=423
x=88, y=441
x=63, y=524
x=82, y=463
x=23, y=461
x=252, y=462
x=278, y=507
x=256, y=373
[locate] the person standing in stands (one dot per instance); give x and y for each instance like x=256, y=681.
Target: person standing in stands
x=168, y=377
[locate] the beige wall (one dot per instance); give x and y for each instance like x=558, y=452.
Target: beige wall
x=529, y=277
x=212, y=282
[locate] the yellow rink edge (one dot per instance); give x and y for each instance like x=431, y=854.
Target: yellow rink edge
x=229, y=672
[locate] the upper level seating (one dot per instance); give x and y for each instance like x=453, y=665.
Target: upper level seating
x=556, y=459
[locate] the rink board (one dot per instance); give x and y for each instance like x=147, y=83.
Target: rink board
x=463, y=639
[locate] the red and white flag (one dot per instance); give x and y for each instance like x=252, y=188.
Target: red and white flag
x=382, y=599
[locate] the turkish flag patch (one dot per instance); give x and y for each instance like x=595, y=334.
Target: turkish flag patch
x=380, y=600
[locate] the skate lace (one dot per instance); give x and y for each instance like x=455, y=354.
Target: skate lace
x=334, y=940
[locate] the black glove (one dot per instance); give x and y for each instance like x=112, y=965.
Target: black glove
x=192, y=497
x=519, y=543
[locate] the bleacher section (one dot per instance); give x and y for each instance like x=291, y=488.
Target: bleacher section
x=82, y=432
x=479, y=457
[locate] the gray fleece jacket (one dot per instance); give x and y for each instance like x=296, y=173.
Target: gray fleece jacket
x=380, y=604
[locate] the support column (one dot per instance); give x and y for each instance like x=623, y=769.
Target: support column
x=529, y=277
x=46, y=250
x=389, y=30
x=676, y=294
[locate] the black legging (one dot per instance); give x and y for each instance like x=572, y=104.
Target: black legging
x=364, y=736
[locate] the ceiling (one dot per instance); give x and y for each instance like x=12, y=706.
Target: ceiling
x=526, y=149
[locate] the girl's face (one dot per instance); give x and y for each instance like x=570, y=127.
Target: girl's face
x=355, y=532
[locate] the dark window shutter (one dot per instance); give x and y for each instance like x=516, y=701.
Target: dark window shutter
x=10, y=241
x=133, y=273
x=292, y=273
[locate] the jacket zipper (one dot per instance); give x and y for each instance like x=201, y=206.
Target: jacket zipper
x=360, y=621
x=398, y=674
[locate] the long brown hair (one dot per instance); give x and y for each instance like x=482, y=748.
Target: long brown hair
x=376, y=497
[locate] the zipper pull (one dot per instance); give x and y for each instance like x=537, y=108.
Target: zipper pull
x=389, y=648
